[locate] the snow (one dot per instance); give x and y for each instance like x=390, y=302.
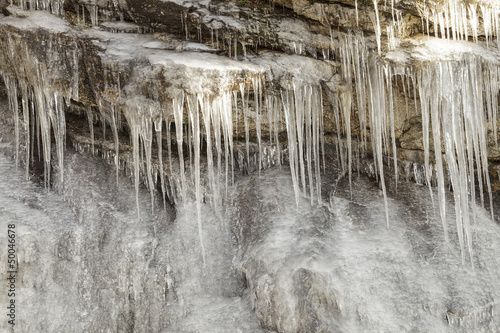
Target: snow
x=157, y=45
x=446, y=50
x=33, y=20
x=194, y=47
x=118, y=26
x=425, y=49
x=285, y=68
x=189, y=3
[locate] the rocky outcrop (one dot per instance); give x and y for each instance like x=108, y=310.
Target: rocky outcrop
x=217, y=89
x=95, y=68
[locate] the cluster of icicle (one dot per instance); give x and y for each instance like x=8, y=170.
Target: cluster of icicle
x=457, y=111
x=42, y=113
x=42, y=108
x=94, y=12
x=201, y=120
x=458, y=100
x=456, y=115
x=55, y=7
x=451, y=20
x=459, y=20
x=209, y=122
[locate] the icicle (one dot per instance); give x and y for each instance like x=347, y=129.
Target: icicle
x=359, y=54
x=205, y=107
x=189, y=144
x=56, y=114
x=75, y=77
x=243, y=45
x=308, y=137
x=185, y=25
x=91, y=126
x=44, y=133
x=178, y=105
x=436, y=134
x=376, y=25
x=388, y=77
x=94, y=11
x=159, y=142
x=473, y=21
x=116, y=141
x=299, y=121
x=235, y=48
x=257, y=90
x=227, y=127
x=270, y=117
x=322, y=133
x=345, y=99
x=247, y=126
x=276, y=120
x=169, y=144
x=134, y=133
x=494, y=71
x=146, y=135
x=485, y=10
x=292, y=142
x=103, y=119
x=37, y=127
x=336, y=114
x=302, y=112
x=424, y=104
x=26, y=125
x=216, y=123
x=315, y=114
x=195, y=120
x=377, y=110
x=452, y=134
x=11, y=86
x=357, y=14
x=236, y=109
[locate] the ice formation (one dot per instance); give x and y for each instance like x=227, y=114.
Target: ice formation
x=206, y=114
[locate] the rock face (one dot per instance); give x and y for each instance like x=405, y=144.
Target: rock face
x=189, y=96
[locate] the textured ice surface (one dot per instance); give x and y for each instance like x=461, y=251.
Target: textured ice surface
x=338, y=268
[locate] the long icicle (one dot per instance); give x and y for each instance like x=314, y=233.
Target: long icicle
x=194, y=114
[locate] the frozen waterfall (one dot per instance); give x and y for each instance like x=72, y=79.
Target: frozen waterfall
x=227, y=181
